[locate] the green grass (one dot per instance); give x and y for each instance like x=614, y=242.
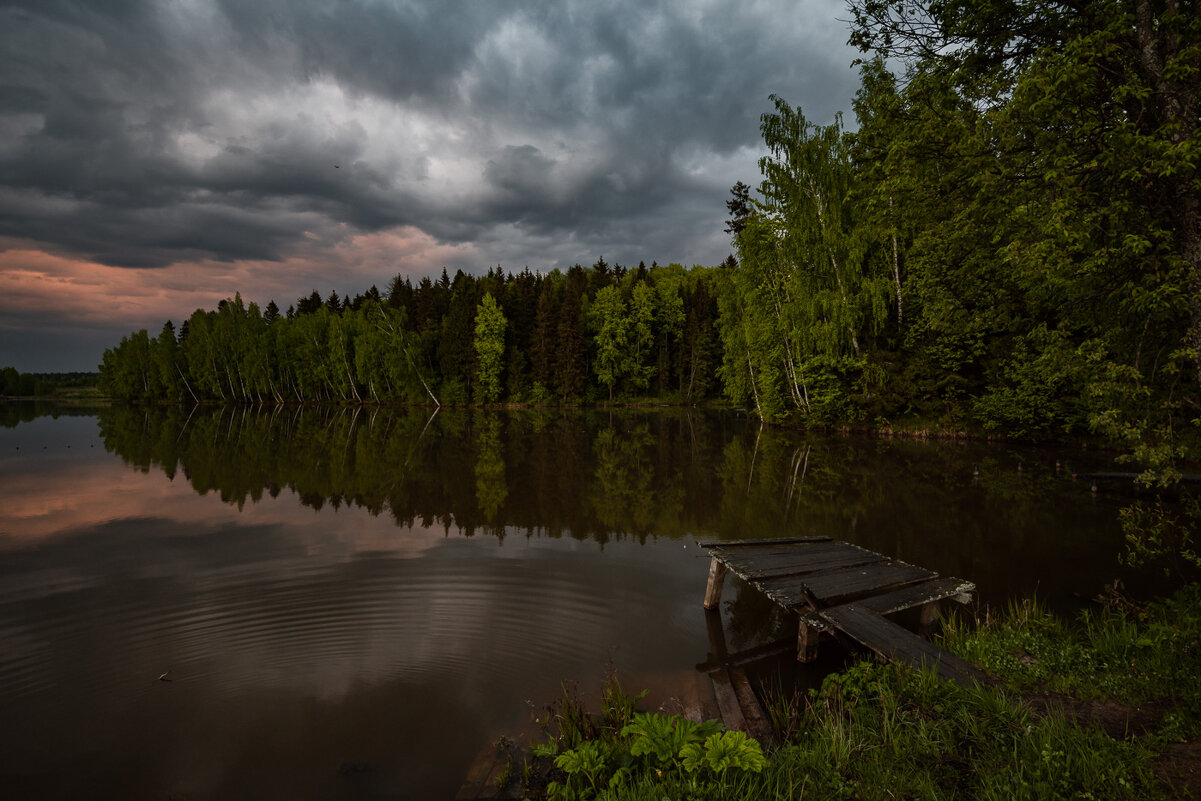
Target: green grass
x=886, y=732
x=1124, y=654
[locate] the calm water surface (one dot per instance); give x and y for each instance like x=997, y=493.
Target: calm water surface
x=352, y=604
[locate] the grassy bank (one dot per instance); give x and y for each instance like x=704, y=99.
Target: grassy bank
x=1105, y=707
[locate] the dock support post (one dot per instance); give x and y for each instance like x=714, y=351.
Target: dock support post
x=929, y=617
x=717, y=636
x=806, y=641
x=717, y=577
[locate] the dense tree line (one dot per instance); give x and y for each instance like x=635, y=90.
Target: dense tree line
x=1011, y=238
x=579, y=335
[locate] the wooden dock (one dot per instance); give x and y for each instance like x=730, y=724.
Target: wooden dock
x=846, y=591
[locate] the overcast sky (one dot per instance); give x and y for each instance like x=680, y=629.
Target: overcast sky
x=159, y=155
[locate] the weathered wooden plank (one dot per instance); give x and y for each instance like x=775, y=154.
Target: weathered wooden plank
x=896, y=643
x=839, y=586
x=796, y=566
x=765, y=541
x=811, y=591
x=937, y=589
x=727, y=700
x=757, y=724
x=717, y=578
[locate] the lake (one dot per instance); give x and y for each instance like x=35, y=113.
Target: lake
x=352, y=603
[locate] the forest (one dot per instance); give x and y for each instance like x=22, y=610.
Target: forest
x=1007, y=240
x=582, y=335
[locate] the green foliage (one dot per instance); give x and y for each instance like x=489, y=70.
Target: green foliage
x=489, y=348
x=1137, y=656
x=620, y=752
x=1039, y=386
x=877, y=731
x=525, y=337
x=607, y=316
x=721, y=752
x=664, y=738
x=589, y=762
x=617, y=706
x=1156, y=533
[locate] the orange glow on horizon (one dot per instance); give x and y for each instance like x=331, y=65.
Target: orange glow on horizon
x=36, y=283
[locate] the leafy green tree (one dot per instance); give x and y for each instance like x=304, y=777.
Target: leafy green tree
x=643, y=312
x=607, y=318
x=489, y=349
x=1044, y=160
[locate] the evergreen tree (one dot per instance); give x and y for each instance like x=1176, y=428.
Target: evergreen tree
x=570, y=355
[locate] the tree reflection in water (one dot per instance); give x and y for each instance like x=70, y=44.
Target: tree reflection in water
x=674, y=473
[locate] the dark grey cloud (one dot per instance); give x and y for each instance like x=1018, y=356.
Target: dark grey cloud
x=140, y=134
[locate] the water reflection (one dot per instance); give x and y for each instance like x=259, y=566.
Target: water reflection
x=1019, y=526
x=311, y=653
x=352, y=602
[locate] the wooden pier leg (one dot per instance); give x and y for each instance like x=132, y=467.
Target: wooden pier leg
x=717, y=577
x=806, y=642
x=929, y=617
x=717, y=636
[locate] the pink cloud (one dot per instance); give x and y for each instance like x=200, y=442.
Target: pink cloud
x=35, y=283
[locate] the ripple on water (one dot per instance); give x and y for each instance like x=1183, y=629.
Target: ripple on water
x=310, y=624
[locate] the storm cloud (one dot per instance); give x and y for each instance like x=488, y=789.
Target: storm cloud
x=149, y=135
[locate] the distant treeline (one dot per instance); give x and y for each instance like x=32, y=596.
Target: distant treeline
x=15, y=384
x=582, y=335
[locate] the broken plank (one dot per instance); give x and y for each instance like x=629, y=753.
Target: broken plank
x=936, y=589
x=757, y=725
x=727, y=700
x=838, y=586
x=897, y=644
x=834, y=585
